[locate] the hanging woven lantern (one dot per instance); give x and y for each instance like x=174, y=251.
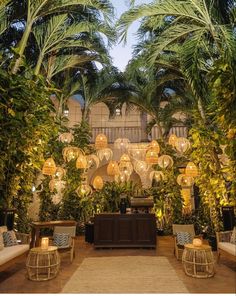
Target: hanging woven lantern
x=141, y=167
x=172, y=140
x=156, y=175
x=182, y=145
x=81, y=162
x=121, y=143
x=112, y=168
x=101, y=141
x=71, y=153
x=105, y=153
x=191, y=169
x=125, y=164
x=66, y=138
x=137, y=151
x=60, y=172
x=184, y=180
x=49, y=167
x=165, y=161
x=154, y=146
x=83, y=189
x=151, y=156
x=98, y=182
x=92, y=160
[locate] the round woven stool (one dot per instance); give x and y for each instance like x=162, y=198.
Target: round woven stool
x=43, y=265
x=198, y=261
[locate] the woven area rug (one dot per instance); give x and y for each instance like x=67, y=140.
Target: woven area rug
x=126, y=274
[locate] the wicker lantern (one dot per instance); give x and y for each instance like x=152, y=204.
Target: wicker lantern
x=182, y=145
x=71, y=153
x=66, y=137
x=101, y=141
x=92, y=160
x=184, y=180
x=98, y=182
x=105, y=153
x=60, y=173
x=112, y=168
x=152, y=156
x=172, y=140
x=137, y=151
x=49, y=167
x=165, y=161
x=121, y=143
x=83, y=189
x=141, y=167
x=191, y=169
x=154, y=146
x=156, y=175
x=81, y=162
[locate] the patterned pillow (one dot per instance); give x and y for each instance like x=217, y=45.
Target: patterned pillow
x=184, y=238
x=1, y=242
x=9, y=238
x=233, y=237
x=61, y=240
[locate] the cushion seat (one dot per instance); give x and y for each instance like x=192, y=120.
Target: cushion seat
x=9, y=253
x=227, y=247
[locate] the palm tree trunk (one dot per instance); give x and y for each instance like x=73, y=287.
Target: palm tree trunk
x=39, y=63
x=22, y=46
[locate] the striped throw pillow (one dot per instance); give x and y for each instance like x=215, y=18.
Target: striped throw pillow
x=184, y=238
x=9, y=238
x=61, y=240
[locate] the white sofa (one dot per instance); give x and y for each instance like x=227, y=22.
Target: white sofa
x=9, y=255
x=225, y=245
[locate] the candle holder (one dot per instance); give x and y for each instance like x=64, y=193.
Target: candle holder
x=44, y=243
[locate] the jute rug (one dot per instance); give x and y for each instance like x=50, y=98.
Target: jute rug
x=126, y=274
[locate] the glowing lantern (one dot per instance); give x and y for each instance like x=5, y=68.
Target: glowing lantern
x=49, y=167
x=156, y=175
x=71, y=153
x=91, y=160
x=191, y=170
x=101, y=141
x=112, y=168
x=60, y=172
x=105, y=153
x=81, y=162
x=98, y=182
x=152, y=156
x=121, y=143
x=182, y=145
x=172, y=140
x=84, y=189
x=197, y=242
x=66, y=137
x=137, y=151
x=184, y=180
x=154, y=146
x=165, y=161
x=141, y=167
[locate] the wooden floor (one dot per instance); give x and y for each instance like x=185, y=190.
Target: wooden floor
x=13, y=280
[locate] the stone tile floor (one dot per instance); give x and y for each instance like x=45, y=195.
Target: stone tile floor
x=13, y=279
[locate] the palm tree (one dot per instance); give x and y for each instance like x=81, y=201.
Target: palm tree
x=4, y=6
x=38, y=9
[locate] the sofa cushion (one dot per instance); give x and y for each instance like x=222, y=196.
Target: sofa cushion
x=9, y=238
x=11, y=252
x=233, y=237
x=184, y=238
x=1, y=242
x=227, y=247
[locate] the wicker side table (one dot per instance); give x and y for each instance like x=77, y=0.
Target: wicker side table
x=198, y=261
x=42, y=265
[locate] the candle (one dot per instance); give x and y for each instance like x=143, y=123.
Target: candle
x=44, y=243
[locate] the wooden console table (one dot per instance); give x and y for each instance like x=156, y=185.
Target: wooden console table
x=36, y=226
x=124, y=230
